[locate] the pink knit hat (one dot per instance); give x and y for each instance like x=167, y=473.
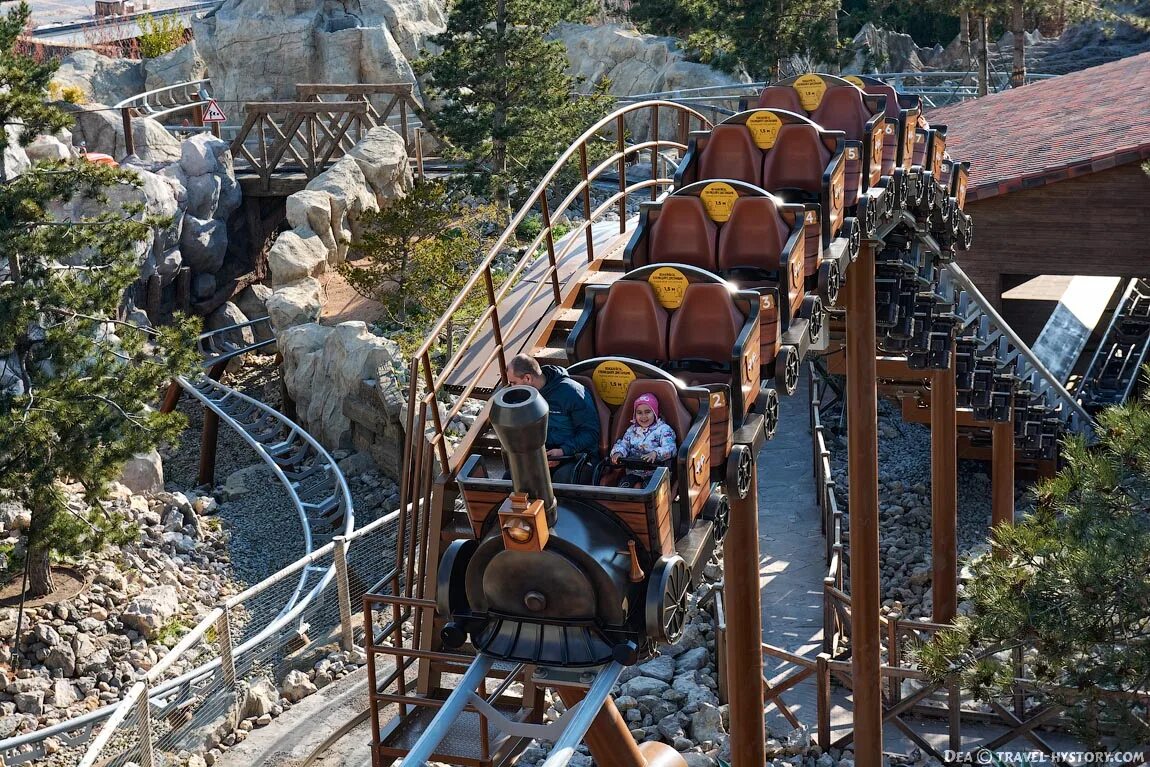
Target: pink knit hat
x=645, y=399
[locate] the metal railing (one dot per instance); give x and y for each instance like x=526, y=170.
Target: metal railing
x=170, y=100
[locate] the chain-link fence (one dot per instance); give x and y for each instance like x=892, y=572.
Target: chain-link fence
x=242, y=654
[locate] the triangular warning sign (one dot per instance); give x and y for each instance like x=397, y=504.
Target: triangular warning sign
x=213, y=113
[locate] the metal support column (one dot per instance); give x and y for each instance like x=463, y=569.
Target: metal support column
x=862, y=453
x=744, y=623
x=944, y=494
x=1002, y=481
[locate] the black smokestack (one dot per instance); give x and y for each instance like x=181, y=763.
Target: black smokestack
x=519, y=416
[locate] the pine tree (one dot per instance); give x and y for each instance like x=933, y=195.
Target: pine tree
x=74, y=381
x=415, y=255
x=1070, y=590
x=509, y=105
x=752, y=35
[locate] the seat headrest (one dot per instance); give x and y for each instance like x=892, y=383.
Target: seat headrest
x=797, y=160
x=706, y=325
x=731, y=153
x=601, y=409
x=671, y=408
x=754, y=235
x=892, y=108
x=631, y=323
x=683, y=234
x=843, y=109
x=781, y=97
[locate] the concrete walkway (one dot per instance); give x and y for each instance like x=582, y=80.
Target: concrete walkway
x=792, y=566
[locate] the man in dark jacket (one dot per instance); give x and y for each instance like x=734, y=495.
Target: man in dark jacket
x=573, y=423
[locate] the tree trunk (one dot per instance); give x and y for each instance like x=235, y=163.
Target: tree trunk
x=499, y=113
x=983, y=56
x=964, y=37
x=833, y=34
x=39, y=565
x=1017, y=24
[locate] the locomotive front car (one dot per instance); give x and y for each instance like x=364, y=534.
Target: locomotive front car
x=578, y=575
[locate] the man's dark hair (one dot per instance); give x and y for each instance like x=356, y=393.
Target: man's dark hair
x=522, y=364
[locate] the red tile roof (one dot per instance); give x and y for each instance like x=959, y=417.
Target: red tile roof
x=1052, y=130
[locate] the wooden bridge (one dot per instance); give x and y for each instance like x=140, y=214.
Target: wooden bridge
x=282, y=145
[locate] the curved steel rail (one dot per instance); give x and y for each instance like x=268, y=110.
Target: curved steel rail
x=171, y=99
x=313, y=481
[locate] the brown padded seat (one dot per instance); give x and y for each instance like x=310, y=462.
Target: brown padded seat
x=671, y=408
x=882, y=89
x=781, y=97
x=683, y=234
x=843, y=109
x=797, y=160
x=706, y=325
x=754, y=235
x=603, y=411
x=631, y=323
x=731, y=153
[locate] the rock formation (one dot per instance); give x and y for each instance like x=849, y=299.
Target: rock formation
x=633, y=62
x=353, y=41
x=325, y=217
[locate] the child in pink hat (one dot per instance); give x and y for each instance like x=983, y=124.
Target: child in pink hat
x=649, y=438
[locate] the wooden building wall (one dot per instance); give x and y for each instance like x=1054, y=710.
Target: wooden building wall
x=1097, y=224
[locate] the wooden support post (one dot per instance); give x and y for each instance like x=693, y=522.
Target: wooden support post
x=1002, y=481
x=744, y=622
x=862, y=452
x=944, y=494
x=823, y=682
x=129, y=139
x=343, y=593
x=210, y=436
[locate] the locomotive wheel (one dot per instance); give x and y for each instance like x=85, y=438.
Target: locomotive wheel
x=666, y=603
x=718, y=510
x=967, y=234
x=830, y=280
x=787, y=370
x=869, y=217
x=771, y=413
x=853, y=236
x=449, y=592
x=812, y=310
x=743, y=473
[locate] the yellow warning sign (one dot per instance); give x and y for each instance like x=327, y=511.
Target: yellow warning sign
x=855, y=80
x=611, y=381
x=764, y=128
x=810, y=89
x=718, y=199
x=669, y=285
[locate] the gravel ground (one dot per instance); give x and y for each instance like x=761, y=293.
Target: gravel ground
x=905, y=506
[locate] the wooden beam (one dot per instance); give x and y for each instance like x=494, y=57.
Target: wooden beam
x=1002, y=478
x=862, y=449
x=944, y=494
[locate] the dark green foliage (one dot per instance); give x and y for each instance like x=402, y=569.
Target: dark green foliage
x=509, y=105
x=927, y=22
x=744, y=34
x=1072, y=589
x=23, y=83
x=414, y=257
x=77, y=383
